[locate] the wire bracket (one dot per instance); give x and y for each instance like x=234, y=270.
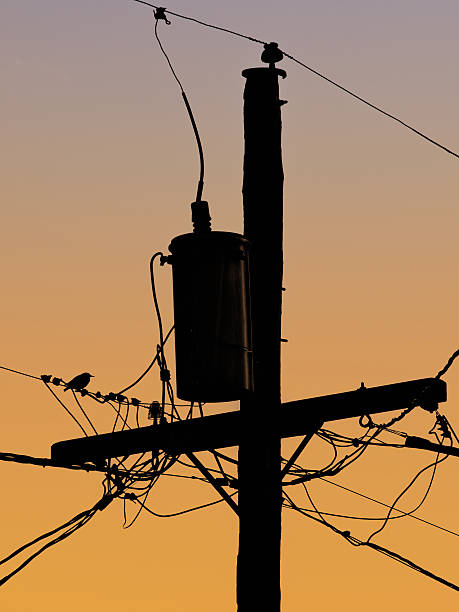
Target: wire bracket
x=160, y=13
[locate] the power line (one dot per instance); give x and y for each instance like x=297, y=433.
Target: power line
x=412, y=481
x=70, y=527
x=377, y=501
x=448, y=364
x=385, y=551
x=21, y=373
x=315, y=72
x=203, y=23
x=66, y=409
x=160, y=15
x=213, y=503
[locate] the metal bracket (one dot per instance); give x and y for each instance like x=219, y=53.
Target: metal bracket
x=301, y=446
x=205, y=472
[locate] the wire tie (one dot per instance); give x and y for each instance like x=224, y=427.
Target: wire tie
x=160, y=13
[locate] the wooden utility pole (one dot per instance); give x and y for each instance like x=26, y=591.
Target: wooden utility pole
x=260, y=492
x=262, y=421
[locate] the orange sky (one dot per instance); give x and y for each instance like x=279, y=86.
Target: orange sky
x=98, y=170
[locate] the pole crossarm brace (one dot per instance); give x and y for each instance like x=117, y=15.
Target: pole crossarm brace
x=223, y=430
x=205, y=472
x=301, y=446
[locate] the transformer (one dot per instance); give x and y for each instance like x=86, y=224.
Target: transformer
x=212, y=316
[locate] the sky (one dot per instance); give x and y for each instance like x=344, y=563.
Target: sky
x=99, y=167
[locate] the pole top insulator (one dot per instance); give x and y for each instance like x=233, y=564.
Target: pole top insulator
x=271, y=54
x=200, y=217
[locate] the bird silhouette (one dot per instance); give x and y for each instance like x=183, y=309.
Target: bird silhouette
x=79, y=382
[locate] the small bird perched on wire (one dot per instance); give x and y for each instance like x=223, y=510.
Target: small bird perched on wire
x=79, y=382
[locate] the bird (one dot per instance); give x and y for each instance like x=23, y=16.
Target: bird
x=79, y=382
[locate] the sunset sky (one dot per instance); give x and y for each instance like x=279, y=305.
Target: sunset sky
x=99, y=167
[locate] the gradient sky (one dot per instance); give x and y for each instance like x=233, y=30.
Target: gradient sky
x=98, y=170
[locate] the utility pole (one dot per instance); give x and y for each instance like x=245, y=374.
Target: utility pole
x=262, y=421
x=260, y=499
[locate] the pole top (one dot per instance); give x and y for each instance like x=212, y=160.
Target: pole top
x=270, y=55
x=262, y=71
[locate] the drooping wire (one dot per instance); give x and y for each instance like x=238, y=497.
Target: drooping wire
x=166, y=338
x=190, y=114
x=315, y=72
x=155, y=301
x=376, y=501
x=213, y=503
x=70, y=527
x=411, y=483
x=356, y=542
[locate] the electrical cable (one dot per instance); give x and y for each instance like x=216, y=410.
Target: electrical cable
x=434, y=465
x=356, y=542
x=71, y=526
x=166, y=338
x=45, y=462
x=190, y=115
x=218, y=501
x=376, y=501
x=315, y=72
x=66, y=409
x=155, y=300
x=18, y=372
x=448, y=364
x=83, y=411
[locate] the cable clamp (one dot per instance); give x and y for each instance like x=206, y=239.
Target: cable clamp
x=164, y=259
x=160, y=13
x=103, y=502
x=46, y=378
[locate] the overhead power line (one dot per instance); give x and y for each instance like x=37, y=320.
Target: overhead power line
x=21, y=373
x=377, y=501
x=289, y=503
x=313, y=71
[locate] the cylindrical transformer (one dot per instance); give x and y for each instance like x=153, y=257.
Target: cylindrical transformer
x=212, y=316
